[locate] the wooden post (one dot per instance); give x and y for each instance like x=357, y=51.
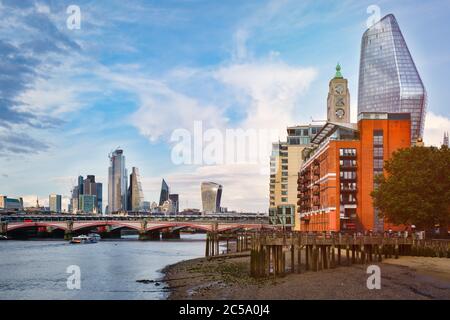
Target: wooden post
x=307, y=257
x=348, y=254
x=292, y=258
x=217, y=243
x=207, y=245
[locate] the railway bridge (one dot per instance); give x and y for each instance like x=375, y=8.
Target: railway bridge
x=148, y=227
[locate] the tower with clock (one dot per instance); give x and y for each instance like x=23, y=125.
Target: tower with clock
x=338, y=102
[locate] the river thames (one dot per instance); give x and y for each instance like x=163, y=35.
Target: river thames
x=109, y=269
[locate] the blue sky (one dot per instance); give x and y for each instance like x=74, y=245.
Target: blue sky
x=138, y=70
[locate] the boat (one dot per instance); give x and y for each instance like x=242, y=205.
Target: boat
x=90, y=238
x=2, y=237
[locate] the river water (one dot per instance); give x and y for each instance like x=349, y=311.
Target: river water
x=109, y=269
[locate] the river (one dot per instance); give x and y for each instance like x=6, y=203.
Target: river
x=109, y=269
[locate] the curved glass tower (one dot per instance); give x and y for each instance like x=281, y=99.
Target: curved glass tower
x=117, y=182
x=211, y=194
x=388, y=78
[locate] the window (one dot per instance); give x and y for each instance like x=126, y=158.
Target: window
x=378, y=152
x=283, y=199
x=284, y=186
x=347, y=152
x=284, y=160
x=284, y=193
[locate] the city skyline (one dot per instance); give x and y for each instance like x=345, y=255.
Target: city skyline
x=135, y=100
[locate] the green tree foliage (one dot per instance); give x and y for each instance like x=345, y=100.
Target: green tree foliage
x=416, y=188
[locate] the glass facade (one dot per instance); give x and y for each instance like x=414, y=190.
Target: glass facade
x=388, y=78
x=117, y=183
x=211, y=195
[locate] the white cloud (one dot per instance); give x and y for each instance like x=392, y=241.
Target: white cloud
x=273, y=88
x=435, y=126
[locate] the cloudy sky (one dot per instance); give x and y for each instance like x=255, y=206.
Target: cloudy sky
x=136, y=71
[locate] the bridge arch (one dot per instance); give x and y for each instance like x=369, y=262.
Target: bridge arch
x=179, y=226
x=12, y=227
x=116, y=224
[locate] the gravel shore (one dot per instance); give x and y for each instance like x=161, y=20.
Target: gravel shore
x=227, y=278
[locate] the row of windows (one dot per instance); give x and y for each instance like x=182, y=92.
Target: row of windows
x=347, y=152
x=347, y=174
x=347, y=163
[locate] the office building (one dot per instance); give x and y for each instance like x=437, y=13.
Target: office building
x=135, y=194
x=164, y=195
x=175, y=201
x=88, y=203
x=54, y=201
x=90, y=187
x=117, y=182
x=211, y=195
x=388, y=78
x=10, y=204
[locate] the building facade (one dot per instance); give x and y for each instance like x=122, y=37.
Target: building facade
x=285, y=162
x=164, y=195
x=90, y=187
x=117, y=182
x=337, y=177
x=175, y=198
x=388, y=78
x=11, y=204
x=54, y=201
x=135, y=193
x=211, y=196
x=88, y=203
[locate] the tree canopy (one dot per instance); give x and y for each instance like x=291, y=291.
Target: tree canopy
x=415, y=188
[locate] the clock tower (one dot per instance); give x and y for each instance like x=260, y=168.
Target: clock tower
x=338, y=102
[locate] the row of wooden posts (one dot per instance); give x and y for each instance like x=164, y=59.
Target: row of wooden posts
x=214, y=239
x=268, y=251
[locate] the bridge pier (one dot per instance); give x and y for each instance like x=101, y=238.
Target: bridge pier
x=68, y=235
x=170, y=234
x=150, y=235
x=3, y=228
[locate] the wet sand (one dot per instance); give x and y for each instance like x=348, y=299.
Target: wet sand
x=227, y=278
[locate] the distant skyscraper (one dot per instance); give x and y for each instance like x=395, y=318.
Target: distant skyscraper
x=445, y=142
x=388, y=78
x=211, y=195
x=175, y=202
x=135, y=194
x=88, y=203
x=74, y=201
x=90, y=187
x=54, y=201
x=117, y=182
x=164, y=196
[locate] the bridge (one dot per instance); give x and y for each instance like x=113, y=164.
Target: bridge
x=148, y=227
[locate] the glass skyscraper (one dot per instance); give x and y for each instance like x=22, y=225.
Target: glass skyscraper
x=388, y=78
x=117, y=182
x=164, y=196
x=135, y=194
x=211, y=195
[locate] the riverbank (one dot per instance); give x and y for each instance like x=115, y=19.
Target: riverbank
x=227, y=278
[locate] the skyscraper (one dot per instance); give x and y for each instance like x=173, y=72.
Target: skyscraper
x=211, y=195
x=54, y=201
x=90, y=187
x=175, y=201
x=164, y=196
x=135, y=194
x=388, y=78
x=117, y=182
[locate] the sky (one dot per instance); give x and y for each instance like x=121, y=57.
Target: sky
x=146, y=75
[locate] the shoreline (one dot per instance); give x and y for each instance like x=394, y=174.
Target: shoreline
x=227, y=278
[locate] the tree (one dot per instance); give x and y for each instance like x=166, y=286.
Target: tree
x=416, y=188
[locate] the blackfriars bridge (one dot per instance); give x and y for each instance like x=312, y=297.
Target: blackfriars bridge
x=148, y=227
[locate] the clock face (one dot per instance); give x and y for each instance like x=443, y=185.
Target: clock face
x=339, y=89
x=340, y=102
x=340, y=113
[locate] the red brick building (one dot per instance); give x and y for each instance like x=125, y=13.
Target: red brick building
x=337, y=176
